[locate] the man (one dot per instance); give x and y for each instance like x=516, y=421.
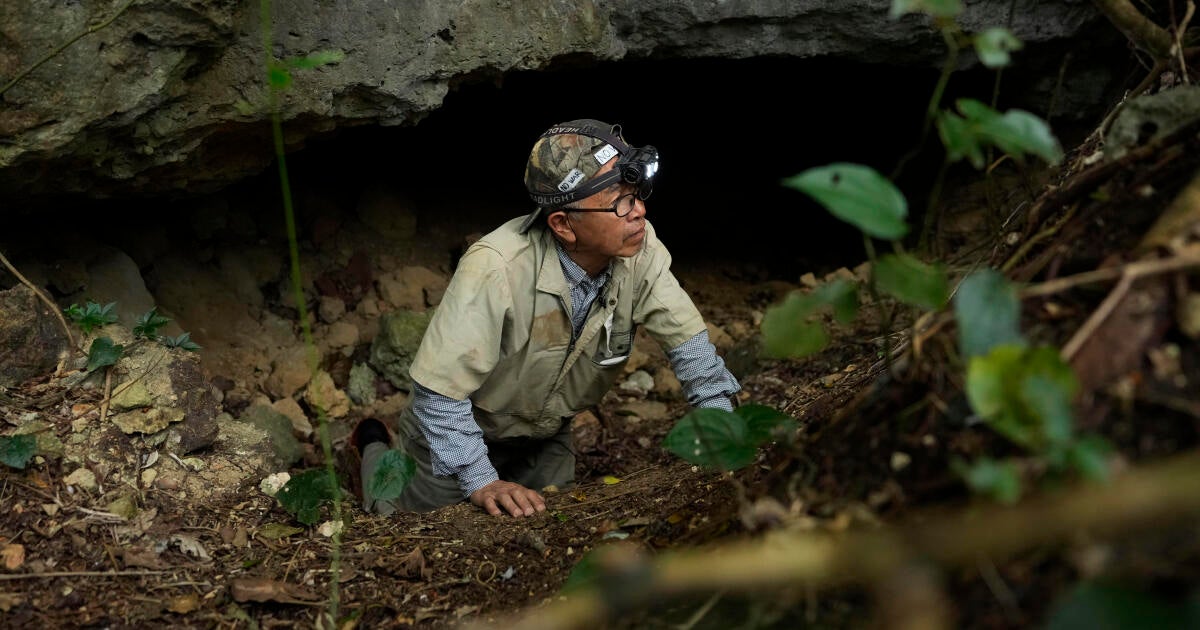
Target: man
x=536, y=325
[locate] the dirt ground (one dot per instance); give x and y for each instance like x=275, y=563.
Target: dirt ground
x=875, y=446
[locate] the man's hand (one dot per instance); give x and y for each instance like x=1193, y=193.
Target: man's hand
x=513, y=497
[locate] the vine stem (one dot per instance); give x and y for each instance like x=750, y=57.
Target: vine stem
x=301, y=308
x=935, y=99
x=53, y=307
x=52, y=54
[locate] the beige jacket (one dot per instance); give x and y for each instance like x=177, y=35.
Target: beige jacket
x=502, y=334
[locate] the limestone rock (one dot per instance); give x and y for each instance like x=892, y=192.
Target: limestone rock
x=362, y=384
x=112, y=276
x=165, y=387
x=289, y=373
x=323, y=394
x=392, y=352
x=277, y=428
x=301, y=426
x=31, y=337
x=331, y=309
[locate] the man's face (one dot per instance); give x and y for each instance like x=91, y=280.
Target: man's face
x=604, y=234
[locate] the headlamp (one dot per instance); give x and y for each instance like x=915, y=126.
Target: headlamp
x=635, y=165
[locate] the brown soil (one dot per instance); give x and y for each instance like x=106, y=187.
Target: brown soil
x=874, y=446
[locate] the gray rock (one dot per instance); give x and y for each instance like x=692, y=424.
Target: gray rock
x=396, y=344
x=153, y=101
x=278, y=428
x=1152, y=116
x=361, y=387
x=31, y=337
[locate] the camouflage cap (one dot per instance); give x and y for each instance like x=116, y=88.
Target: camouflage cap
x=565, y=157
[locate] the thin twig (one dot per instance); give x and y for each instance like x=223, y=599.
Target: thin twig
x=58, y=574
x=107, y=391
x=53, y=307
x=1178, y=46
x=50, y=55
x=1138, y=269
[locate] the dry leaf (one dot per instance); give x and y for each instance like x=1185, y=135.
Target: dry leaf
x=183, y=604
x=14, y=556
x=190, y=546
x=264, y=590
x=412, y=565
x=139, y=557
x=463, y=611
x=8, y=601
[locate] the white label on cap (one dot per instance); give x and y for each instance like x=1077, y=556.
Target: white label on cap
x=571, y=180
x=605, y=154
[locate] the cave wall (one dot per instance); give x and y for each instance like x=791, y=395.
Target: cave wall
x=172, y=95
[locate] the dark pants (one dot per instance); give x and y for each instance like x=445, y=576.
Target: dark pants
x=532, y=463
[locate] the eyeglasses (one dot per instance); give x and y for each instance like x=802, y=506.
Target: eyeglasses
x=623, y=206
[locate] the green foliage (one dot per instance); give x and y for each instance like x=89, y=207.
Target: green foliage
x=935, y=8
x=1024, y=394
x=303, y=495
x=17, y=450
x=92, y=316
x=391, y=476
x=858, y=195
x=786, y=329
x=279, y=74
x=1100, y=605
x=148, y=324
x=102, y=353
x=996, y=479
x=993, y=46
x=182, y=341
x=1015, y=132
x=912, y=281
x=726, y=440
x=988, y=313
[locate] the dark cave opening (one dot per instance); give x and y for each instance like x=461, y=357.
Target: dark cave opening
x=728, y=130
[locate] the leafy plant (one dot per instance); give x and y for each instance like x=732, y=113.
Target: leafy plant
x=17, y=450
x=92, y=315
x=725, y=440
x=103, y=353
x=392, y=474
x=182, y=341
x=148, y=324
x=304, y=494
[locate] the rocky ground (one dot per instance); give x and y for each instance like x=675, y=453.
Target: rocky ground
x=144, y=508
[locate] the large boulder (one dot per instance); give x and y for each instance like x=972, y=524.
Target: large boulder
x=31, y=338
x=168, y=95
x=395, y=346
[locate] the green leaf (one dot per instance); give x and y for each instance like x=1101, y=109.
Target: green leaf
x=842, y=295
x=182, y=341
x=993, y=46
x=912, y=281
x=858, y=195
x=304, y=494
x=764, y=423
x=996, y=479
x=148, y=324
x=712, y=437
x=585, y=573
x=17, y=450
x=960, y=139
x=1016, y=132
x=785, y=331
x=1089, y=455
x=92, y=315
x=319, y=58
x=279, y=77
x=935, y=8
x=1024, y=394
x=1099, y=605
x=103, y=352
x=988, y=313
x=391, y=476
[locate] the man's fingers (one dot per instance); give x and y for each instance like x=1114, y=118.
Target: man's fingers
x=523, y=503
x=507, y=501
x=539, y=502
x=489, y=504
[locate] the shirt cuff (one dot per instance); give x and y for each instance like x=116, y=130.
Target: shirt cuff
x=716, y=402
x=476, y=476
